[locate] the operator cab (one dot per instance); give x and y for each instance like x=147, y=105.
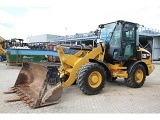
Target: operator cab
x=120, y=39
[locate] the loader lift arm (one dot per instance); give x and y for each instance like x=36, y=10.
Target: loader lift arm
x=70, y=64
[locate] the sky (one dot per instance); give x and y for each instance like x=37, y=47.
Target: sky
x=24, y=18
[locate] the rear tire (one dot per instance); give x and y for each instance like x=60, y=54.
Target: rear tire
x=136, y=77
x=91, y=78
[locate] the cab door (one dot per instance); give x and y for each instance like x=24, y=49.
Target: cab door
x=128, y=41
x=115, y=43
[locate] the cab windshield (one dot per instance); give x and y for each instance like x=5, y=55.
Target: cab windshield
x=107, y=31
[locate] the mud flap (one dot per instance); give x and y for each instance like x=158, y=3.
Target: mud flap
x=38, y=85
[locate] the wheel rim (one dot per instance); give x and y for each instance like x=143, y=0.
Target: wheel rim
x=95, y=79
x=139, y=76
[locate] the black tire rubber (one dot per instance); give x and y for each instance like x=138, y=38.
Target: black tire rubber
x=112, y=79
x=82, y=78
x=130, y=81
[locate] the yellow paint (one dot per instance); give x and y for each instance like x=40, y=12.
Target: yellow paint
x=139, y=76
x=151, y=67
x=95, y=79
x=120, y=73
x=2, y=51
x=70, y=64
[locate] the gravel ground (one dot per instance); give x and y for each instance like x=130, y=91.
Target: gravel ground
x=116, y=97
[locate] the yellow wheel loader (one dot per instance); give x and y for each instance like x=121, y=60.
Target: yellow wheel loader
x=2, y=51
x=117, y=54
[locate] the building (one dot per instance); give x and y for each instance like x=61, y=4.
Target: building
x=156, y=47
x=148, y=38
x=44, y=38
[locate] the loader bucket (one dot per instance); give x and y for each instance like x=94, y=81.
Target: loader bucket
x=38, y=85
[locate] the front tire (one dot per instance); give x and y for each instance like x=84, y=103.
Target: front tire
x=91, y=78
x=136, y=77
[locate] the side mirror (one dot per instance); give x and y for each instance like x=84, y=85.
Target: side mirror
x=101, y=26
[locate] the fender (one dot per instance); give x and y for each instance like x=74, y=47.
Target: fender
x=109, y=76
x=133, y=63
